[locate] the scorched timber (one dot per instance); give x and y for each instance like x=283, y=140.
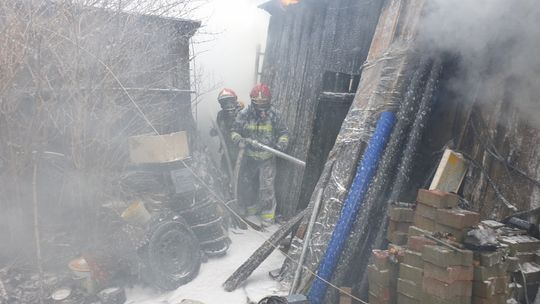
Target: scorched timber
x=256, y=259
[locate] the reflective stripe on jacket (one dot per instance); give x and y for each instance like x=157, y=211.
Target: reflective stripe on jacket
x=268, y=130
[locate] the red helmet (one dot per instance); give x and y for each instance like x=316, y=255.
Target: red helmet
x=227, y=94
x=260, y=95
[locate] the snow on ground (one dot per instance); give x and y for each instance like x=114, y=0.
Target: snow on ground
x=206, y=287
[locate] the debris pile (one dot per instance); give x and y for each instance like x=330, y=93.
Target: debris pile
x=21, y=285
x=448, y=255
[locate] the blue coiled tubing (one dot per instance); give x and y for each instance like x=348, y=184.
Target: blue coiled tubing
x=364, y=174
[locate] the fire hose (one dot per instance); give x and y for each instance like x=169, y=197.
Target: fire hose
x=275, y=152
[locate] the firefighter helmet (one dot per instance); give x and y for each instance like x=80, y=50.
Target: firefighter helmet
x=261, y=96
x=227, y=95
x=228, y=100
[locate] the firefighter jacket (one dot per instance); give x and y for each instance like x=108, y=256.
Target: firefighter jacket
x=269, y=130
x=225, y=123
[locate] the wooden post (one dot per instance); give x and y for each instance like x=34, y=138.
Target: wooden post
x=256, y=259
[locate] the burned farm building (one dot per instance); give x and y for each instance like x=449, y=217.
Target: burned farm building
x=339, y=66
x=411, y=175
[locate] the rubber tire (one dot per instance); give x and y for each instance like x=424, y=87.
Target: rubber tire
x=163, y=276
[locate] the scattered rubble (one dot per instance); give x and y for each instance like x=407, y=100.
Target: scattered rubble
x=437, y=268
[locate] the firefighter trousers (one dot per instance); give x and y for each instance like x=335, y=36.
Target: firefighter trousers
x=256, y=187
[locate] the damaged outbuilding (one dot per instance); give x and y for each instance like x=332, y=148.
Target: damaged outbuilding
x=452, y=79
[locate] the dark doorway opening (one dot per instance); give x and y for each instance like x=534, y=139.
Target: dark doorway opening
x=334, y=103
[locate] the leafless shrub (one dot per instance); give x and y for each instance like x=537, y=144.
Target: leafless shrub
x=76, y=79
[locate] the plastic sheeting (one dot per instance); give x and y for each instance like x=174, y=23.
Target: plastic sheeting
x=357, y=127
x=404, y=160
x=365, y=172
x=380, y=89
x=359, y=241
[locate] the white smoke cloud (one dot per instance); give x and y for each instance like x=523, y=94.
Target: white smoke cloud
x=497, y=40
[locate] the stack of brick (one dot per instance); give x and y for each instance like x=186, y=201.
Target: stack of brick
x=427, y=204
x=411, y=271
x=400, y=220
x=382, y=278
x=436, y=211
x=431, y=279
x=448, y=275
x=430, y=273
x=491, y=280
x=524, y=257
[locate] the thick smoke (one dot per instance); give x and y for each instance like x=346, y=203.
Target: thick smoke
x=497, y=42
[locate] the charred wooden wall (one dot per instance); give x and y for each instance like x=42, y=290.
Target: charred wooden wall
x=495, y=131
x=305, y=41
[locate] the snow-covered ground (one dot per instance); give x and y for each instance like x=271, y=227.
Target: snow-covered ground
x=207, y=285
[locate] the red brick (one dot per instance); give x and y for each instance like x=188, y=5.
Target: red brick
x=415, y=231
x=414, y=259
x=417, y=243
x=482, y=273
x=397, y=238
x=447, y=291
x=443, y=257
x=457, y=218
x=448, y=274
x=431, y=299
x=380, y=258
x=491, y=287
x=521, y=243
x=426, y=211
x=403, y=299
x=489, y=259
x=398, y=226
x=399, y=214
x=409, y=288
x=383, y=294
x=380, y=292
x=498, y=299
x=378, y=277
x=411, y=273
x=424, y=223
x=437, y=198
x=374, y=299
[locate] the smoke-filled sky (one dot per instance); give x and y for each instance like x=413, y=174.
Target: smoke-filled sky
x=226, y=47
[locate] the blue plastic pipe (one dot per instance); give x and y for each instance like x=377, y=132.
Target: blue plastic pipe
x=364, y=174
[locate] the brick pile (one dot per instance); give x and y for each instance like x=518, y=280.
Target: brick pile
x=429, y=273
x=412, y=269
x=382, y=277
x=491, y=279
x=448, y=275
x=401, y=218
x=524, y=256
x=433, y=266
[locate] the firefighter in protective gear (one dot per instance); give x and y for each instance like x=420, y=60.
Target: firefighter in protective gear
x=259, y=122
x=230, y=107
